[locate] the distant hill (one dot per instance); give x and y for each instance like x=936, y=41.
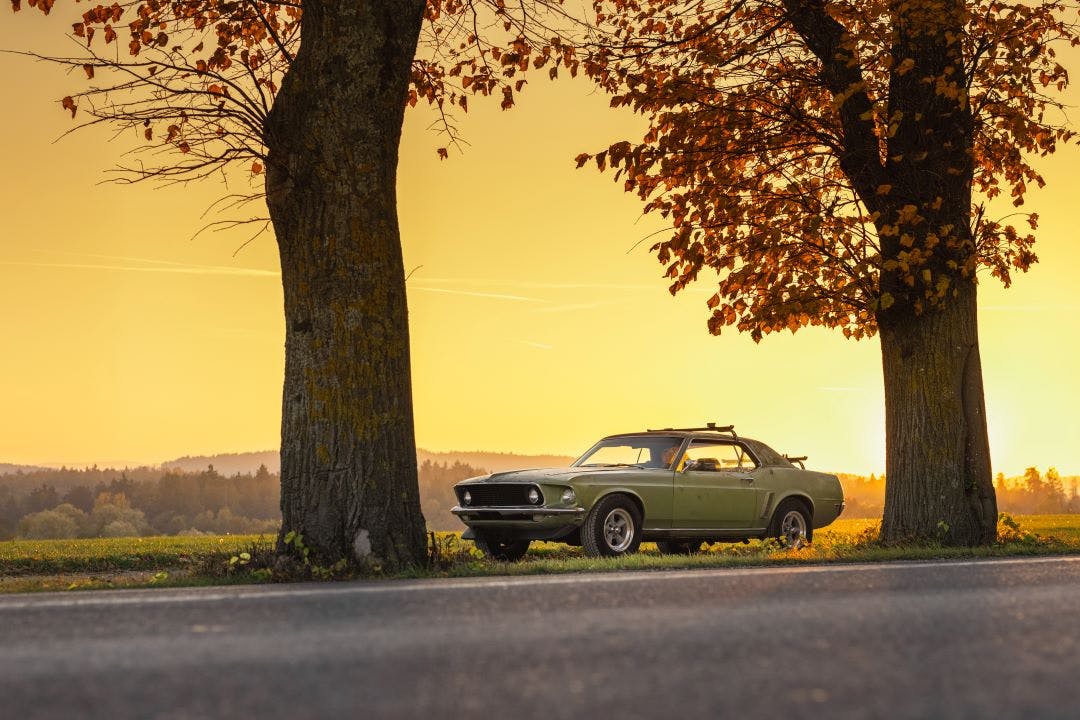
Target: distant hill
x=9, y=469
x=228, y=463
x=245, y=463
x=232, y=463
x=495, y=461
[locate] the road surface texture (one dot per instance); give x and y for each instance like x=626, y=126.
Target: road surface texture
x=981, y=639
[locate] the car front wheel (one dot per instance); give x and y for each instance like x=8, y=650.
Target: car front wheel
x=612, y=528
x=507, y=551
x=791, y=524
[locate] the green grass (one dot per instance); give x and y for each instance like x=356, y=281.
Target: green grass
x=1063, y=527
x=37, y=557
x=170, y=561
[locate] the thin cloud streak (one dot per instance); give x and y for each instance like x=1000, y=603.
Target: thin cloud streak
x=1071, y=307
x=476, y=293
x=574, y=306
x=121, y=258
x=171, y=269
x=544, y=285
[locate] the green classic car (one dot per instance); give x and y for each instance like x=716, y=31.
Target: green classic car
x=679, y=487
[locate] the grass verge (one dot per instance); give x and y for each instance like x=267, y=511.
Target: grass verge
x=238, y=559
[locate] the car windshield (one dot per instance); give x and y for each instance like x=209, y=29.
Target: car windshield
x=644, y=452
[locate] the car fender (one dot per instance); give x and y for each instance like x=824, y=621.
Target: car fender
x=619, y=490
x=789, y=494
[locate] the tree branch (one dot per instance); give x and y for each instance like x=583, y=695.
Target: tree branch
x=841, y=72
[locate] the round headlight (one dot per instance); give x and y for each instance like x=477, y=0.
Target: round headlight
x=466, y=497
x=568, y=496
x=534, y=496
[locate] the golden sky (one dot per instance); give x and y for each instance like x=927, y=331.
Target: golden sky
x=535, y=325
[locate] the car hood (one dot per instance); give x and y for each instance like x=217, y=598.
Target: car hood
x=540, y=475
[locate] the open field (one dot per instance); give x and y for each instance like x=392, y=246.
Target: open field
x=35, y=557
x=133, y=562
x=92, y=563
x=1064, y=527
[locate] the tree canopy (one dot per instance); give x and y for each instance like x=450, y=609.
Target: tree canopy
x=790, y=144
x=200, y=76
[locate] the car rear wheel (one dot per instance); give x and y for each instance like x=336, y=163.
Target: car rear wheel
x=791, y=524
x=670, y=547
x=505, y=550
x=612, y=528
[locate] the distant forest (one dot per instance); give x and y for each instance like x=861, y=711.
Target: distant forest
x=1032, y=493
x=45, y=503
x=92, y=502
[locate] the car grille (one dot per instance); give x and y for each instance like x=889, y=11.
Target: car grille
x=498, y=495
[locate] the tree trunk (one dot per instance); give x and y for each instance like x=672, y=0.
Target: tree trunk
x=937, y=459
x=348, y=456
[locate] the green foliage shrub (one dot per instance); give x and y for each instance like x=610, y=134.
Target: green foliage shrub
x=47, y=525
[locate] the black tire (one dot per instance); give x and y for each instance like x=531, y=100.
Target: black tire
x=504, y=550
x=612, y=528
x=784, y=521
x=671, y=547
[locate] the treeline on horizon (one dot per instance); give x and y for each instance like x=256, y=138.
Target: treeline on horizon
x=1032, y=493
x=70, y=503
x=93, y=502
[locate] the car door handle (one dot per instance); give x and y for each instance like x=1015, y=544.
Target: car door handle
x=747, y=479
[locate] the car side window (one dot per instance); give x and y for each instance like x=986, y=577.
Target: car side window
x=716, y=456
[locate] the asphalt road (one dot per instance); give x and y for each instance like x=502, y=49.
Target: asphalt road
x=989, y=639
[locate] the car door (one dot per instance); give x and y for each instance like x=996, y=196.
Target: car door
x=714, y=487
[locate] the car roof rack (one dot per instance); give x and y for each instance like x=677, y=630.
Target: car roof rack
x=801, y=459
x=709, y=427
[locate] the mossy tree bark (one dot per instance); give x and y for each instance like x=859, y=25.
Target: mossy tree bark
x=938, y=479
x=348, y=458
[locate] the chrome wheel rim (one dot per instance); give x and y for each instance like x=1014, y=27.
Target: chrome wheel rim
x=618, y=530
x=793, y=528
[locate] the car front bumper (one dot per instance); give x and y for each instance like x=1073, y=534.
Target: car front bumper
x=524, y=513
x=527, y=522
